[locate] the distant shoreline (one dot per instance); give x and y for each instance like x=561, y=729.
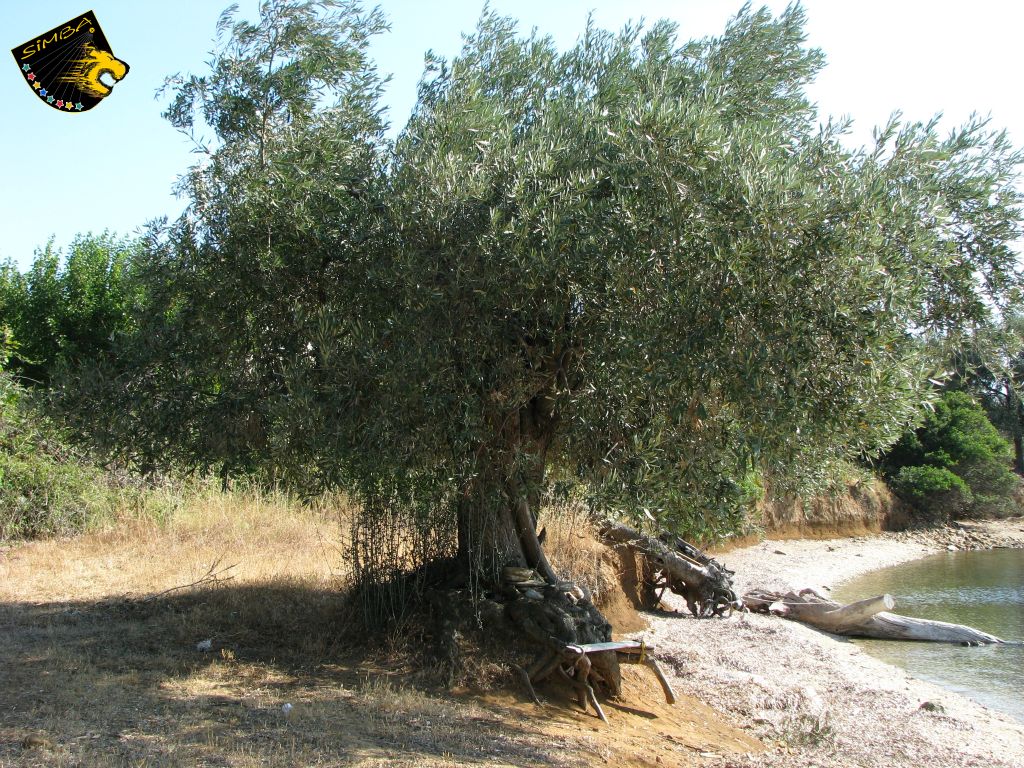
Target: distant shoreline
x=826, y=563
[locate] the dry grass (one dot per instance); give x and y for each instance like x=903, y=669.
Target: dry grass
x=98, y=668
x=573, y=549
x=264, y=536
x=576, y=553
x=95, y=672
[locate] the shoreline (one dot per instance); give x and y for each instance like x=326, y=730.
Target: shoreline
x=822, y=564
x=819, y=701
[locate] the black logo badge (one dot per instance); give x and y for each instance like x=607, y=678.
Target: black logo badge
x=71, y=67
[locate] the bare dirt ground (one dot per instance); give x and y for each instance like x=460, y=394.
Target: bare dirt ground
x=96, y=671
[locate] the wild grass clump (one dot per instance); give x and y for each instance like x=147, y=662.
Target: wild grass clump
x=572, y=546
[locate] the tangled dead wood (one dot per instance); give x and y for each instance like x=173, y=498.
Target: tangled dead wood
x=216, y=575
x=575, y=638
x=584, y=666
x=674, y=564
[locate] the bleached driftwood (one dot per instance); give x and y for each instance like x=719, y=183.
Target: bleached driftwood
x=866, y=618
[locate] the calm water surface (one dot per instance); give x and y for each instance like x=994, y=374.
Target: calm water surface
x=982, y=589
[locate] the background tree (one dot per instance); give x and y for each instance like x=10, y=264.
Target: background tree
x=633, y=264
x=992, y=369
x=63, y=311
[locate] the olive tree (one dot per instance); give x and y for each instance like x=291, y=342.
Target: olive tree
x=608, y=261
x=628, y=264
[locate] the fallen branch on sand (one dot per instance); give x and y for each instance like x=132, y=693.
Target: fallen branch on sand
x=866, y=618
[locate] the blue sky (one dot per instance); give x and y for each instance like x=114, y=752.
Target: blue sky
x=114, y=167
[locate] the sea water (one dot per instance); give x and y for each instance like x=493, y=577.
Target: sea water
x=984, y=590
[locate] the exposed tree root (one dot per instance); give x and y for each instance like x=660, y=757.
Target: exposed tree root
x=575, y=640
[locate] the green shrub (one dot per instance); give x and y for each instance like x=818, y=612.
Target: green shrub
x=936, y=492
x=955, y=463
x=45, y=488
x=993, y=487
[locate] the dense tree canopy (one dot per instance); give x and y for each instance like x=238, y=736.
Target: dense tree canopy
x=637, y=265
x=992, y=369
x=278, y=211
x=955, y=462
x=64, y=310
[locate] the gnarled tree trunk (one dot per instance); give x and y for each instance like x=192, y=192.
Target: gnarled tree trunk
x=497, y=527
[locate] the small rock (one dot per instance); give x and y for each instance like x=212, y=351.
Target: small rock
x=932, y=706
x=951, y=547
x=814, y=702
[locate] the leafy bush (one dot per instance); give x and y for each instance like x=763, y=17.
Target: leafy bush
x=67, y=309
x=954, y=463
x=935, y=491
x=45, y=489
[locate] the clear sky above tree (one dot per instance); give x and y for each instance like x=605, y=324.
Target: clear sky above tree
x=115, y=166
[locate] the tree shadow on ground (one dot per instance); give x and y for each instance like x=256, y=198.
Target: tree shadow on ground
x=122, y=682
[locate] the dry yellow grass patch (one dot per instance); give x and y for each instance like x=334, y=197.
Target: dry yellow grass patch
x=263, y=536
x=576, y=553
x=95, y=671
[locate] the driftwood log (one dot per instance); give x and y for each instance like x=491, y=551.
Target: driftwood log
x=865, y=618
x=671, y=563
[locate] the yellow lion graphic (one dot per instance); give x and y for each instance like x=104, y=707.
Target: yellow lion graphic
x=85, y=73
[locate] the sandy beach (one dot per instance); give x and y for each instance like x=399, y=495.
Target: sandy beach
x=820, y=701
